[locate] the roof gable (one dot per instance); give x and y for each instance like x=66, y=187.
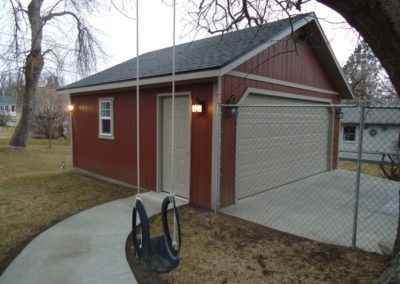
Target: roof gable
x=210, y=57
x=205, y=54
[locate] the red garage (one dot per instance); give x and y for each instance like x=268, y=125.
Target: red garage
x=281, y=62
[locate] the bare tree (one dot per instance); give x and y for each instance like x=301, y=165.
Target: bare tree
x=366, y=76
x=377, y=21
x=49, y=111
x=48, y=120
x=37, y=17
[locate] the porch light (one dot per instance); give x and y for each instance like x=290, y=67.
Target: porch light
x=70, y=108
x=197, y=107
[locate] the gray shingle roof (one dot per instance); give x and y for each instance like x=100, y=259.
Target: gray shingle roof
x=7, y=100
x=205, y=54
x=372, y=115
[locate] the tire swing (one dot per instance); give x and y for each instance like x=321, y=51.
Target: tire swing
x=160, y=253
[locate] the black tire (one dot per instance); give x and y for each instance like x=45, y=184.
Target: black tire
x=167, y=232
x=140, y=228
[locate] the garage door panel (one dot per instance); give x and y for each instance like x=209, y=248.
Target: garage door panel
x=278, y=145
x=277, y=179
x=253, y=172
x=274, y=151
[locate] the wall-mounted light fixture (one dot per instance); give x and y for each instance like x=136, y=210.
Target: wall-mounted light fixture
x=231, y=101
x=197, y=107
x=70, y=108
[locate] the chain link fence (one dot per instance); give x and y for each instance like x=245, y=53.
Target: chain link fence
x=325, y=172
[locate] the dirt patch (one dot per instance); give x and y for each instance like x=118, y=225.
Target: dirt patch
x=224, y=249
x=371, y=169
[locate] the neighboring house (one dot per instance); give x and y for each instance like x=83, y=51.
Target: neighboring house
x=251, y=66
x=8, y=107
x=381, y=133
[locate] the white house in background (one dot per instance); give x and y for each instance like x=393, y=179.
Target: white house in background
x=8, y=106
x=381, y=133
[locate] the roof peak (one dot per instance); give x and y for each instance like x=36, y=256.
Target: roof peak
x=209, y=53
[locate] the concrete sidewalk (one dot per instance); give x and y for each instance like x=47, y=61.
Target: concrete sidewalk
x=86, y=248
x=321, y=208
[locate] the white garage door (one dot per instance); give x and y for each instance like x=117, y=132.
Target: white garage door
x=278, y=145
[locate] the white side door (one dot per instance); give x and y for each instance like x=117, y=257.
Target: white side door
x=180, y=182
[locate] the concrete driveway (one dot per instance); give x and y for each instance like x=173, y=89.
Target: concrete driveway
x=86, y=248
x=321, y=208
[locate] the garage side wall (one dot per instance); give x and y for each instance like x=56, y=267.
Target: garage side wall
x=116, y=158
x=276, y=62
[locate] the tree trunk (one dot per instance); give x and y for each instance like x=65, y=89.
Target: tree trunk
x=378, y=21
x=32, y=71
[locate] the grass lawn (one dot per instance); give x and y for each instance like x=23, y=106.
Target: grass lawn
x=35, y=192
x=224, y=249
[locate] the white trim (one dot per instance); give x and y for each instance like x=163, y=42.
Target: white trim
x=258, y=91
x=280, y=82
x=216, y=146
x=102, y=135
x=149, y=81
x=159, y=163
x=334, y=57
x=269, y=43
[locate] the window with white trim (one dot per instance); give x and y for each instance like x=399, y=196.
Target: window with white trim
x=349, y=133
x=106, y=117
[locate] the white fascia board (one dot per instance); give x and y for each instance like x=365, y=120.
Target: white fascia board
x=258, y=91
x=143, y=82
x=334, y=58
x=266, y=79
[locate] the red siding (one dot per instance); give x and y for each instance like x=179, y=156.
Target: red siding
x=279, y=62
x=291, y=62
x=117, y=158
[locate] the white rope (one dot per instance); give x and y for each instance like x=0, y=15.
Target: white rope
x=172, y=115
x=172, y=165
x=137, y=101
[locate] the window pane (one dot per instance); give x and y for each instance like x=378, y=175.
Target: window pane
x=105, y=109
x=106, y=126
x=349, y=133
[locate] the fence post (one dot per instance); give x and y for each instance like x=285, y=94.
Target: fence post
x=358, y=174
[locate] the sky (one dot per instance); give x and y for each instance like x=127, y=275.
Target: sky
x=118, y=36
x=117, y=32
